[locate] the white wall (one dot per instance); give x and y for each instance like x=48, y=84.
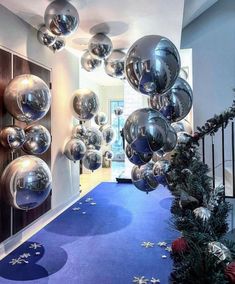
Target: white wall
x=20, y=37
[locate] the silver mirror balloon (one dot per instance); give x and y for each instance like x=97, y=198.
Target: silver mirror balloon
x=89, y=63
x=100, y=46
x=58, y=45
x=79, y=131
x=61, y=18
x=152, y=64
x=75, y=149
x=114, y=64
x=182, y=125
x=85, y=104
x=108, y=155
x=183, y=137
x=93, y=137
x=171, y=141
x=92, y=160
x=176, y=103
x=146, y=130
x=38, y=140
x=118, y=111
x=136, y=158
x=12, y=137
x=27, y=98
x=26, y=182
x=143, y=178
x=101, y=119
x=45, y=37
x=109, y=134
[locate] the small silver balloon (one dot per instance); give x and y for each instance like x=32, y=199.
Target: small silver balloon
x=93, y=137
x=92, y=160
x=12, y=137
x=61, y=18
x=89, y=63
x=183, y=137
x=38, y=140
x=26, y=182
x=146, y=130
x=114, y=64
x=152, y=64
x=143, y=178
x=79, y=131
x=176, y=103
x=100, y=46
x=108, y=155
x=27, y=98
x=109, y=134
x=75, y=149
x=182, y=126
x=171, y=142
x=220, y=251
x=85, y=104
x=161, y=167
x=45, y=37
x=202, y=213
x=136, y=158
x=58, y=45
x=101, y=119
x=118, y=111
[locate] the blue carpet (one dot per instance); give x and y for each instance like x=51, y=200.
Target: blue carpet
x=100, y=243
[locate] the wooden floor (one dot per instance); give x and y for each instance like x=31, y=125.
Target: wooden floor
x=90, y=180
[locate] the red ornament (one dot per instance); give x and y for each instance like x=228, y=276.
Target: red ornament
x=230, y=272
x=180, y=245
x=196, y=136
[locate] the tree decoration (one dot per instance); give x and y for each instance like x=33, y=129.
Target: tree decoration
x=180, y=245
x=219, y=250
x=230, y=272
x=202, y=213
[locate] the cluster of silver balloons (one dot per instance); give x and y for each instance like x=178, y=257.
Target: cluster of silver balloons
x=61, y=19
x=152, y=67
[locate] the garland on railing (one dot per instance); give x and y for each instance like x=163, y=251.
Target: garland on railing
x=201, y=255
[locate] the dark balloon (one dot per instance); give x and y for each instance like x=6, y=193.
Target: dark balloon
x=45, y=37
x=118, y=111
x=26, y=182
x=58, y=45
x=171, y=142
x=61, y=18
x=146, y=130
x=136, y=158
x=100, y=46
x=92, y=160
x=85, y=104
x=93, y=137
x=75, y=149
x=101, y=118
x=109, y=134
x=108, y=155
x=114, y=64
x=88, y=62
x=27, y=98
x=176, y=103
x=12, y=137
x=38, y=140
x=152, y=64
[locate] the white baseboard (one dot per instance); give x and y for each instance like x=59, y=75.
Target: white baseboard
x=20, y=237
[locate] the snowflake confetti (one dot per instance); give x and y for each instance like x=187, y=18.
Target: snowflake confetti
x=18, y=260
x=25, y=255
x=140, y=280
x=154, y=280
x=37, y=253
x=168, y=249
x=76, y=208
x=164, y=256
x=83, y=212
x=147, y=244
x=93, y=203
x=162, y=244
x=89, y=199
x=80, y=203
x=35, y=246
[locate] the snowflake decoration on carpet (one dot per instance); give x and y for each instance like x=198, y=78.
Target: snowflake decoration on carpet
x=35, y=246
x=83, y=212
x=162, y=244
x=76, y=208
x=164, y=256
x=147, y=244
x=168, y=249
x=93, y=203
x=89, y=199
x=155, y=280
x=18, y=260
x=140, y=280
x=25, y=255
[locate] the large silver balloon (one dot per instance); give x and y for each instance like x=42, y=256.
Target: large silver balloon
x=146, y=130
x=118, y=111
x=108, y=155
x=220, y=251
x=100, y=46
x=136, y=158
x=176, y=103
x=152, y=64
x=171, y=142
x=109, y=134
x=26, y=182
x=27, y=98
x=182, y=125
x=143, y=178
x=161, y=167
x=79, y=131
x=75, y=149
x=114, y=64
x=93, y=137
x=85, y=104
x=58, y=45
x=45, y=37
x=101, y=119
x=88, y=62
x=38, y=140
x=12, y=137
x=92, y=160
x=61, y=18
